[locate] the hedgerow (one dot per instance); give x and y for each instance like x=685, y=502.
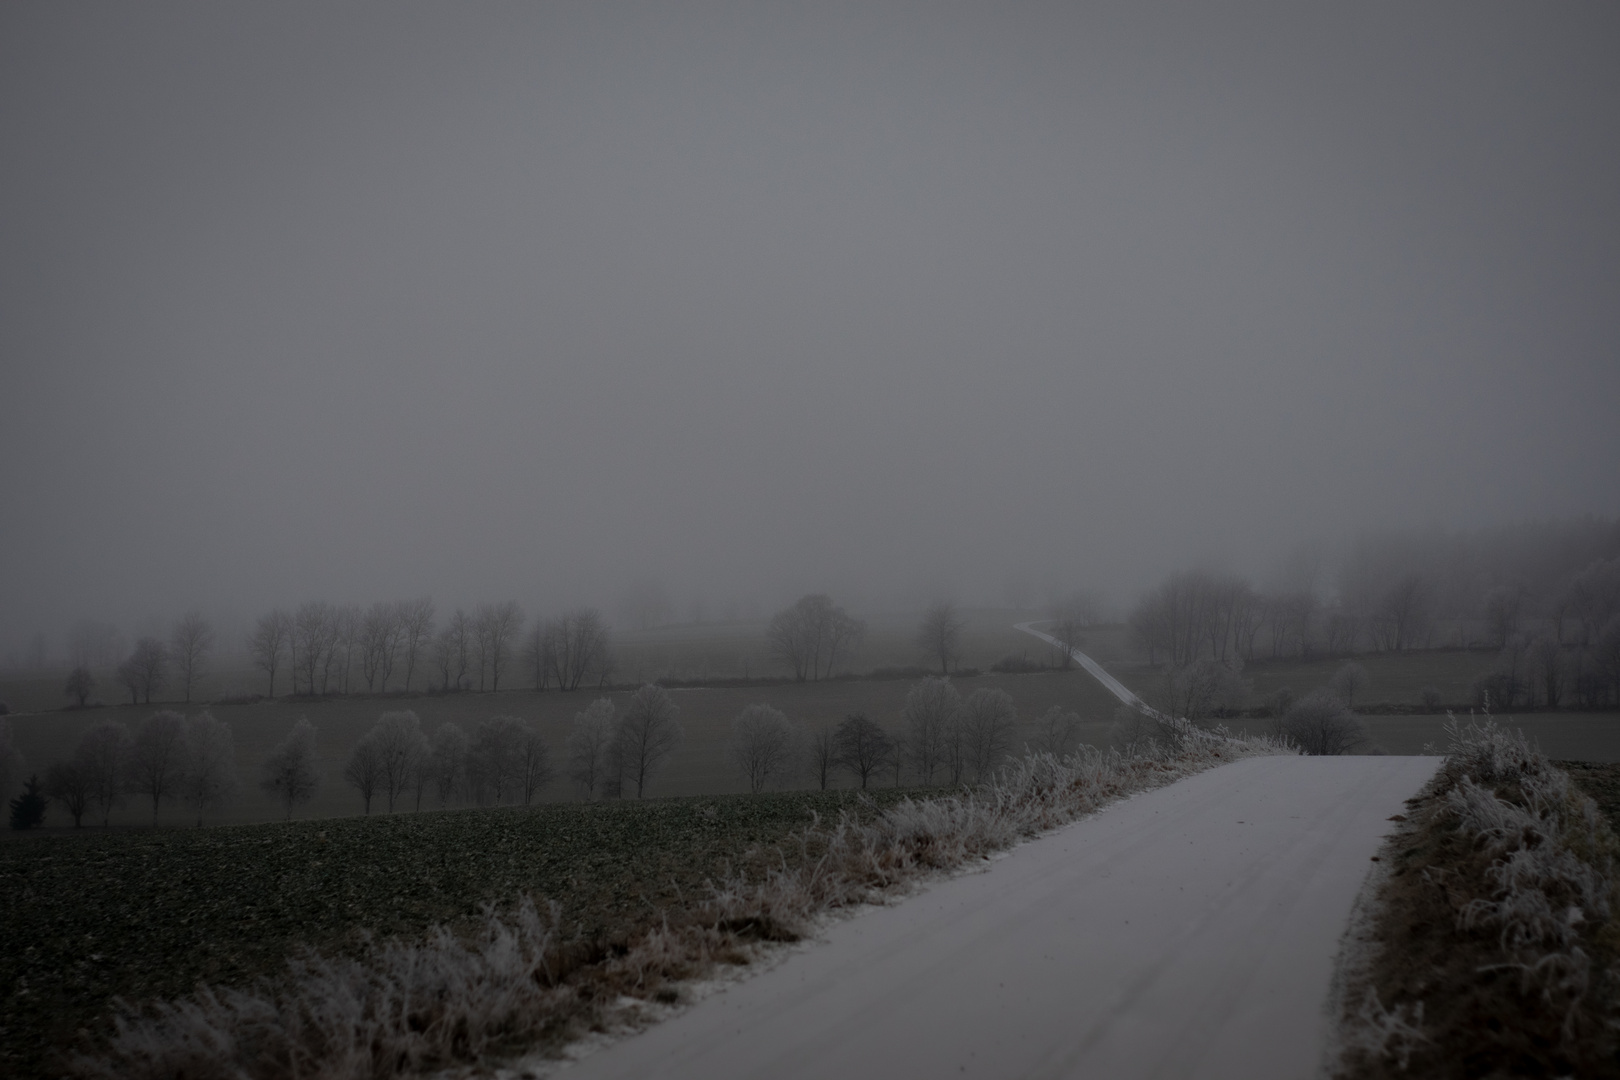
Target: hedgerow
x=1495, y=940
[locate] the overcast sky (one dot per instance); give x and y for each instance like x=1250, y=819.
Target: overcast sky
x=353, y=301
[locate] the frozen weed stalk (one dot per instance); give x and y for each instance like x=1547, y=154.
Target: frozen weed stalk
x=1519, y=866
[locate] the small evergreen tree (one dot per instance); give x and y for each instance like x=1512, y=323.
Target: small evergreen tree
x=28, y=809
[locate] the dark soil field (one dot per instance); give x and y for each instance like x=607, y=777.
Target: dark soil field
x=148, y=914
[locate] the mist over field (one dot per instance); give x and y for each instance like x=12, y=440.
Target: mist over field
x=900, y=302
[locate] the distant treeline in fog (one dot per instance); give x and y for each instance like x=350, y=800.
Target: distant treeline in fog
x=1545, y=596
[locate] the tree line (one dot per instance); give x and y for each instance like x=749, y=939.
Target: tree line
x=320, y=648
x=168, y=758
x=1394, y=593
x=152, y=665
x=329, y=649
x=1556, y=644
x=942, y=737
x=610, y=752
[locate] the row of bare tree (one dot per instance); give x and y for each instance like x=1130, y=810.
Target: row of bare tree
x=169, y=756
x=1196, y=614
x=504, y=760
x=328, y=648
x=149, y=666
x=1535, y=669
x=943, y=737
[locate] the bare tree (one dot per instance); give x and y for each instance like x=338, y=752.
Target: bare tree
x=1403, y=614
x=648, y=733
x=493, y=760
x=416, y=630
x=899, y=755
x=864, y=748
x=497, y=627
x=1288, y=618
x=939, y=635
x=1502, y=609
x=104, y=753
x=379, y=635
x=823, y=752
x=1341, y=631
x=534, y=770
x=290, y=773
x=209, y=779
x=146, y=669
x=577, y=644
x=129, y=677
x=364, y=769
x=1202, y=689
x=190, y=644
x=314, y=638
x=1070, y=615
x=348, y=624
x=1194, y=614
x=1350, y=680
x=1547, y=668
x=452, y=652
x=809, y=635
x=447, y=760
x=1319, y=723
x=12, y=765
x=790, y=640
x=1593, y=598
x=400, y=747
x=988, y=719
x=1056, y=732
x=841, y=632
x=271, y=637
x=931, y=710
x=589, y=746
x=66, y=783
x=537, y=654
x=80, y=682
x=157, y=760
x=1606, y=655
x=762, y=745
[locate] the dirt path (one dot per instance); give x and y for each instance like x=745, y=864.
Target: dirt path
x=1187, y=932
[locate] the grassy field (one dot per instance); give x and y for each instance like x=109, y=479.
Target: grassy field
x=148, y=914
x=701, y=765
x=1393, y=678
x=1398, y=679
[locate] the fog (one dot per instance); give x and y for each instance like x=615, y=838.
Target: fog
x=901, y=302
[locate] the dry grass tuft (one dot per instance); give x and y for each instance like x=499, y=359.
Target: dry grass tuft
x=519, y=983
x=1496, y=934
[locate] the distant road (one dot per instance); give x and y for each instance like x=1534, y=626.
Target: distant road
x=1115, y=687
x=1187, y=932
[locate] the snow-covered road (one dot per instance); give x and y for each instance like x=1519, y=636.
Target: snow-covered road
x=1186, y=932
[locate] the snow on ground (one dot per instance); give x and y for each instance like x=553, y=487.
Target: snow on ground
x=1187, y=932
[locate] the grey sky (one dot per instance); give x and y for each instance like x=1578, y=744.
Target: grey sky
x=351, y=301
